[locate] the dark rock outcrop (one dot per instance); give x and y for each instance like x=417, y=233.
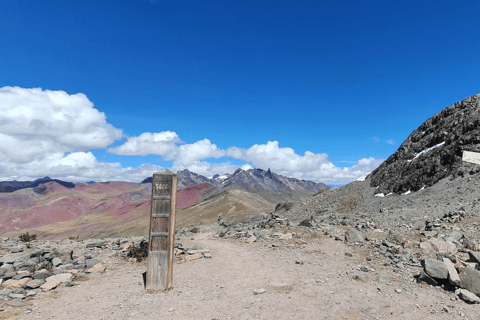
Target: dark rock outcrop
x=433, y=151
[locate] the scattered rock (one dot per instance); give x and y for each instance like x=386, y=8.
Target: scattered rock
x=259, y=291
x=13, y=284
x=97, y=244
x=194, y=257
x=353, y=235
x=62, y=277
x=49, y=285
x=306, y=223
x=439, y=245
x=89, y=263
x=453, y=277
x=359, y=275
x=56, y=262
x=435, y=269
x=33, y=284
x=474, y=256
x=98, y=268
x=469, y=297
x=470, y=280
x=14, y=303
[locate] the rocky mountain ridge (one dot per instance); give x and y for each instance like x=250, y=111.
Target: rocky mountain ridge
x=433, y=151
x=250, y=180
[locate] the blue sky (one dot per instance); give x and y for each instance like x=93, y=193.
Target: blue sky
x=318, y=90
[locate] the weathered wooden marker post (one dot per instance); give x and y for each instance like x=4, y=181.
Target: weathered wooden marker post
x=162, y=231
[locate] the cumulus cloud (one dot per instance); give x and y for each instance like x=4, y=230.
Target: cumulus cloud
x=44, y=132
x=285, y=161
x=76, y=167
x=310, y=166
x=160, y=143
x=35, y=122
x=188, y=154
x=38, y=127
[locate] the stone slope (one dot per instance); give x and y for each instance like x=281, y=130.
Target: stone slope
x=433, y=151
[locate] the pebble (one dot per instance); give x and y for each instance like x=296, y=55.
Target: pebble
x=259, y=291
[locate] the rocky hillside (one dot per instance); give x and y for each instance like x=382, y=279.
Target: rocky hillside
x=433, y=151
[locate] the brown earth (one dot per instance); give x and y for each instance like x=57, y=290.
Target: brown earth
x=115, y=209
x=107, y=209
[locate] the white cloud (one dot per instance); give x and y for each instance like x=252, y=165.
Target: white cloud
x=390, y=142
x=76, y=167
x=376, y=139
x=35, y=122
x=188, y=154
x=38, y=127
x=159, y=143
x=44, y=132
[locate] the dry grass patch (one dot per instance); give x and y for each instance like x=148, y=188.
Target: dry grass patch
x=81, y=278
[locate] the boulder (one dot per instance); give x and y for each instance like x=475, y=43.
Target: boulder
x=468, y=297
x=353, y=235
x=470, y=244
x=306, y=223
x=456, y=235
x=435, y=269
x=194, y=256
x=42, y=275
x=62, y=277
x=14, y=302
x=49, y=285
x=453, y=277
x=474, y=256
x=98, y=268
x=439, y=245
x=97, y=244
x=22, y=275
x=33, y=284
x=470, y=280
x=13, y=284
x=396, y=239
x=16, y=249
x=37, y=253
x=64, y=254
x=286, y=236
x=90, y=263
x=24, y=265
x=56, y=261
x=16, y=296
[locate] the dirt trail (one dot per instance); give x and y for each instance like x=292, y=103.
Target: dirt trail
x=309, y=282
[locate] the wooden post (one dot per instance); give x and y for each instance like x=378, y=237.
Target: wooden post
x=162, y=231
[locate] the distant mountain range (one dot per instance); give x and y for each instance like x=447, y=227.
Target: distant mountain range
x=250, y=180
x=11, y=186
x=55, y=208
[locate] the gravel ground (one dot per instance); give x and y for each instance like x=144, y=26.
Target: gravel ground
x=312, y=280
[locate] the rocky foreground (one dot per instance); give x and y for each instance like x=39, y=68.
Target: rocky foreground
x=395, y=266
